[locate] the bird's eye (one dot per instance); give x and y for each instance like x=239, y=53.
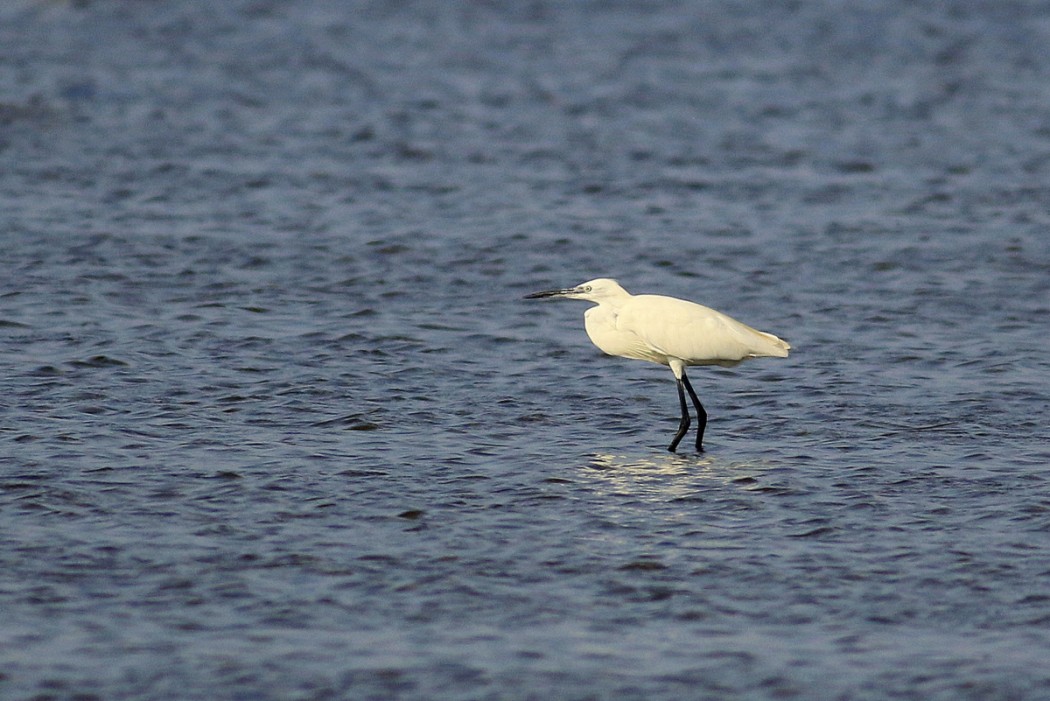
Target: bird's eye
x=586, y=288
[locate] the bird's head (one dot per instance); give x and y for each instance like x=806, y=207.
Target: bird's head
x=599, y=290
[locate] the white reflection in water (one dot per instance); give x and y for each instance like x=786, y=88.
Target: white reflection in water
x=670, y=476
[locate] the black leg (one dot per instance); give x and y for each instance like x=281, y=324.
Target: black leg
x=684, y=425
x=701, y=415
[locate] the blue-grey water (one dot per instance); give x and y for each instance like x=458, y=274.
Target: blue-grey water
x=275, y=422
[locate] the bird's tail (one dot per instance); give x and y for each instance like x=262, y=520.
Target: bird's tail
x=772, y=346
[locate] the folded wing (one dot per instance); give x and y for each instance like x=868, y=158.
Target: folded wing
x=695, y=334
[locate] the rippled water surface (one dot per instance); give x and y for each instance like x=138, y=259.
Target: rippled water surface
x=276, y=422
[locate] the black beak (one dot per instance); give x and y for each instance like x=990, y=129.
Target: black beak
x=545, y=293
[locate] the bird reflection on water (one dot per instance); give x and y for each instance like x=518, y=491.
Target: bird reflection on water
x=669, y=475
x=674, y=505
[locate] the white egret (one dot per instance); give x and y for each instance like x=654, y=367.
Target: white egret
x=670, y=332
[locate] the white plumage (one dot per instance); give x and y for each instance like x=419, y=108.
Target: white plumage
x=668, y=331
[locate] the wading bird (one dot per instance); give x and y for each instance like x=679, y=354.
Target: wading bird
x=668, y=331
